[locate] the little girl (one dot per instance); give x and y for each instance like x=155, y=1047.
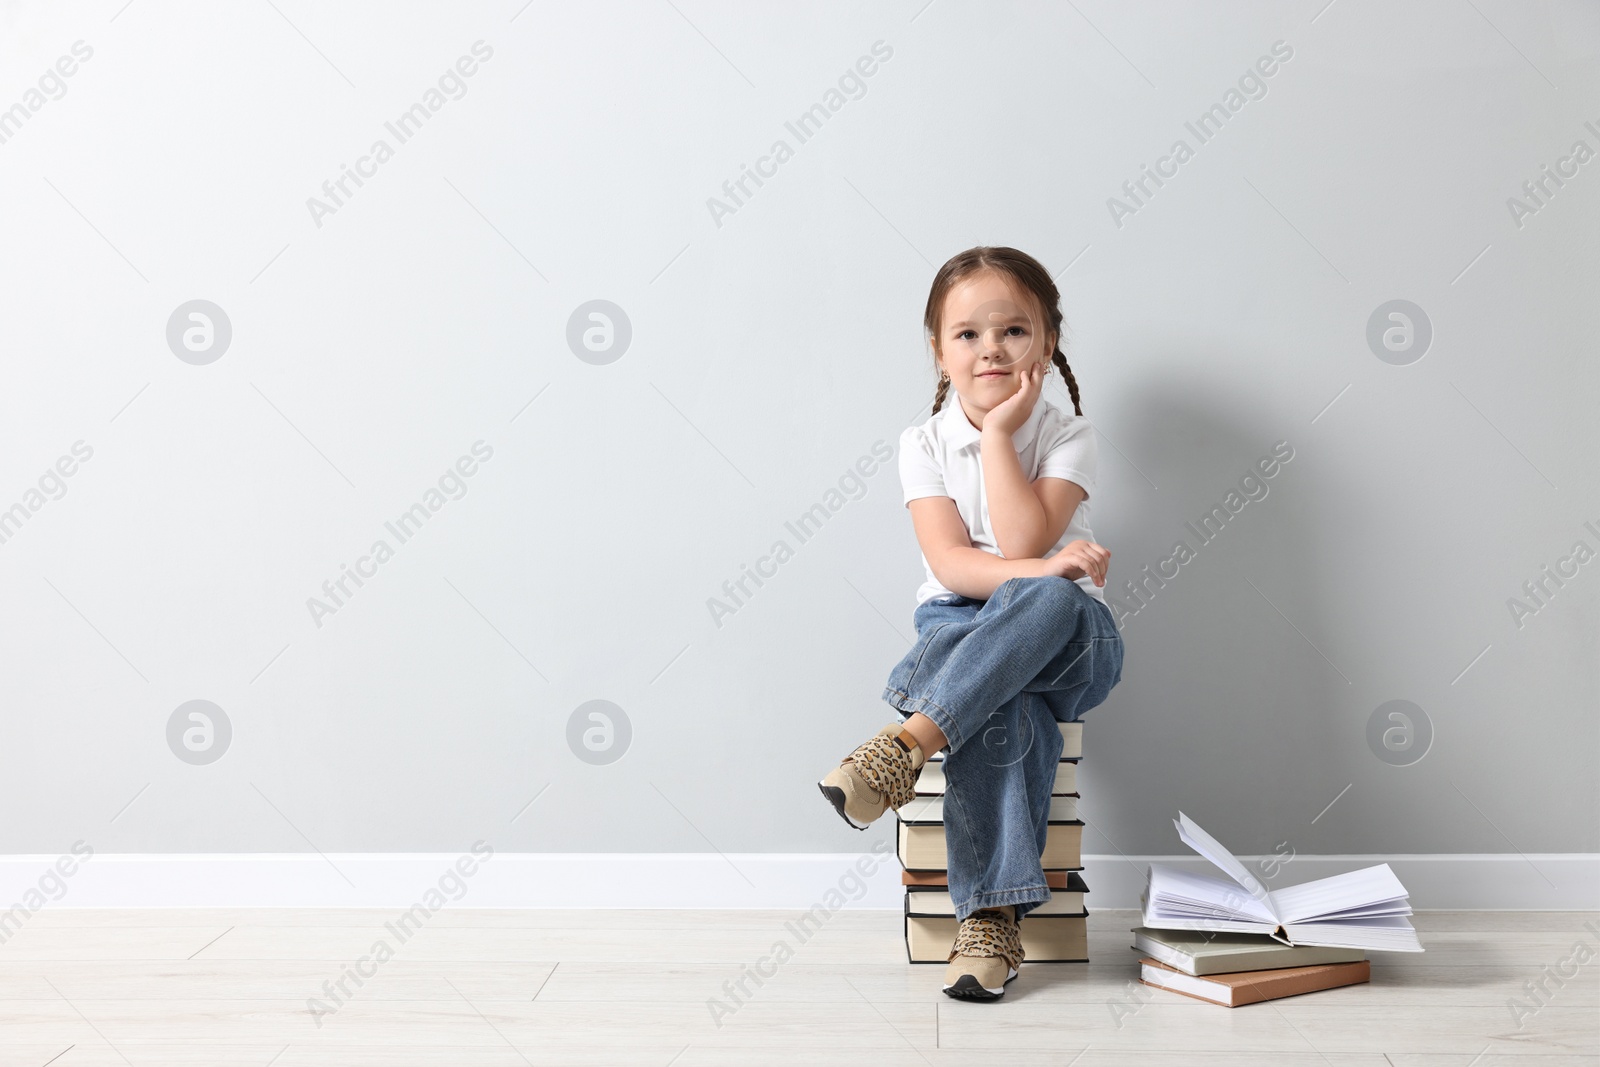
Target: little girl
x=1013, y=632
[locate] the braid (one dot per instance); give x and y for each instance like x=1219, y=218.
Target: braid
x=940, y=394
x=1060, y=362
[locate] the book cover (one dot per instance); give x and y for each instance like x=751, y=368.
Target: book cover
x=931, y=781
x=1201, y=952
x=1253, y=987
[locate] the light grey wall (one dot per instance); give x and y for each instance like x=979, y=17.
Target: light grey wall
x=771, y=349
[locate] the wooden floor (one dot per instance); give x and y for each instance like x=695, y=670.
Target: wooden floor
x=507, y=988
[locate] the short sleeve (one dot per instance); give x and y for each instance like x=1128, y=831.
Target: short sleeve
x=920, y=472
x=1070, y=451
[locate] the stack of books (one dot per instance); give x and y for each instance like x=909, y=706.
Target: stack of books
x=1237, y=969
x=1233, y=941
x=1054, y=932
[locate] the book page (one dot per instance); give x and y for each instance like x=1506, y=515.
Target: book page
x=1177, y=894
x=1362, y=892
x=1211, y=849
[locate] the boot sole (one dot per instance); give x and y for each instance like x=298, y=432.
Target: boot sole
x=835, y=797
x=967, y=988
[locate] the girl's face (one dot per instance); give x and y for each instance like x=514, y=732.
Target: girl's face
x=991, y=332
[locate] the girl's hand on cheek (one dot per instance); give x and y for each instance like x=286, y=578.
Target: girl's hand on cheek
x=1008, y=416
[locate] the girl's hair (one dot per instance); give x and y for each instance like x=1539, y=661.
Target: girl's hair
x=1026, y=273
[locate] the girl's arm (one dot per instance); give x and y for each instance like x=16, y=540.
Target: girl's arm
x=974, y=573
x=1027, y=517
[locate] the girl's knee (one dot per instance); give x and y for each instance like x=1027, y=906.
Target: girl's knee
x=1053, y=590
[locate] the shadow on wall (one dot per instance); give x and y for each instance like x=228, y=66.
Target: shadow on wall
x=1224, y=711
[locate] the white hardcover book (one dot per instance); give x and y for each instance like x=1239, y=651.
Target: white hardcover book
x=931, y=809
x=1363, y=909
x=931, y=781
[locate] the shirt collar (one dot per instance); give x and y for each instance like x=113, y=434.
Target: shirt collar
x=960, y=432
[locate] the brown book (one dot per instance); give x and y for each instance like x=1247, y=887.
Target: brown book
x=1252, y=987
x=1053, y=879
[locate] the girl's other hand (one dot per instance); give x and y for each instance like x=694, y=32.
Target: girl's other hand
x=1078, y=558
x=1008, y=416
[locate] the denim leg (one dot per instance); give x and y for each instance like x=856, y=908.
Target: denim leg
x=997, y=803
x=996, y=679
x=1033, y=633
x=1081, y=675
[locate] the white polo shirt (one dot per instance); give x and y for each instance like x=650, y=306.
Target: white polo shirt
x=942, y=457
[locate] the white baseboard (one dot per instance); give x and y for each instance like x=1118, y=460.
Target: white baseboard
x=1544, y=882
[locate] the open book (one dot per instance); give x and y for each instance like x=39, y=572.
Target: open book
x=1363, y=909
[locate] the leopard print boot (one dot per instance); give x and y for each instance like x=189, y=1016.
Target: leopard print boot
x=987, y=954
x=880, y=774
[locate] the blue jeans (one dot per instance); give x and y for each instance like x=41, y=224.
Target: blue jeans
x=996, y=676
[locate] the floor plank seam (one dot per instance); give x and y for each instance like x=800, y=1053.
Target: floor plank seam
x=546, y=981
x=213, y=941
